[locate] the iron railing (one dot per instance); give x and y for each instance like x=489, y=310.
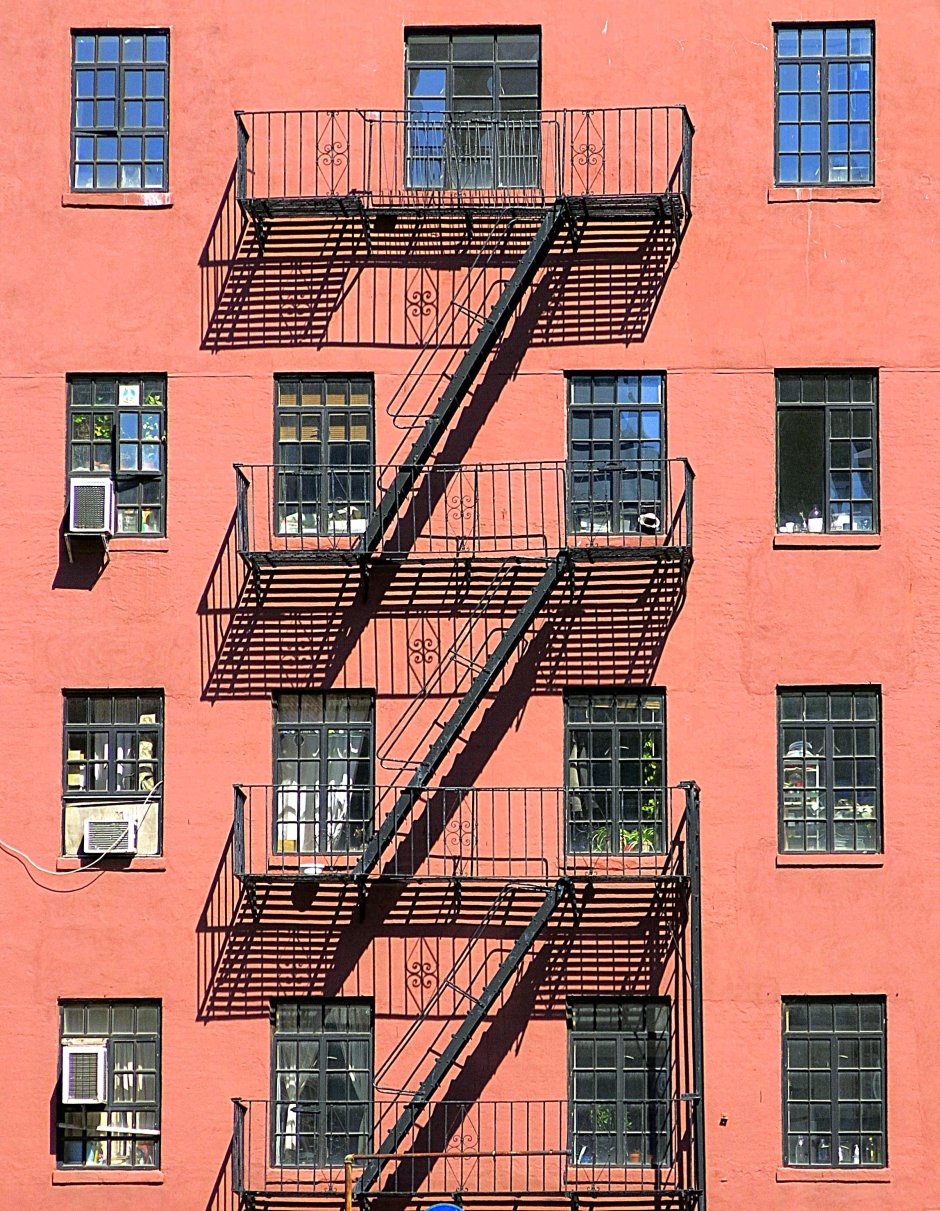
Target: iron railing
x=289, y=160
x=497, y=834
x=492, y=1147
x=491, y=510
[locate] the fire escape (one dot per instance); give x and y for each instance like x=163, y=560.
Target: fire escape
x=519, y=542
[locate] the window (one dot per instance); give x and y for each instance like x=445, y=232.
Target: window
x=473, y=101
x=117, y=429
x=120, y=109
x=618, y=1081
x=323, y=770
x=615, y=453
x=113, y=764
x=827, y=427
x=825, y=95
x=322, y=1082
x=123, y=1130
x=830, y=770
x=615, y=801
x=834, y=1082
x=324, y=455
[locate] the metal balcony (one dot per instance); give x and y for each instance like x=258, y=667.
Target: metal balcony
x=480, y=834
x=533, y=1151
x=630, y=162
x=615, y=510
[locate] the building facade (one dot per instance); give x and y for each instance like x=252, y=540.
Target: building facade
x=473, y=639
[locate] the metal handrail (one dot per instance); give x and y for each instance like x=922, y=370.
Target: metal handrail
x=501, y=835
x=490, y=510
x=402, y=157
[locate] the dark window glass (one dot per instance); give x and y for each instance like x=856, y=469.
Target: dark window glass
x=113, y=764
x=616, y=445
x=827, y=452
x=123, y=1131
x=120, y=117
x=323, y=770
x=473, y=101
x=615, y=773
x=618, y=1083
x=322, y=1082
x=825, y=105
x=834, y=1082
x=830, y=770
x=325, y=473
x=117, y=429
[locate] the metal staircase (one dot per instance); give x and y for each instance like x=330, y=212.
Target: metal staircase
x=555, y=895
x=493, y=326
x=455, y=723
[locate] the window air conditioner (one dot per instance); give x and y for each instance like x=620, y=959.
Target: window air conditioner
x=91, y=505
x=84, y=1075
x=110, y=837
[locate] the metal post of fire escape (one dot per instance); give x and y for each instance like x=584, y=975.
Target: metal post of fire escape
x=693, y=843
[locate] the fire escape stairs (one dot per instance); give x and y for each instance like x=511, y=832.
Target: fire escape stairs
x=555, y=895
x=457, y=720
x=456, y=391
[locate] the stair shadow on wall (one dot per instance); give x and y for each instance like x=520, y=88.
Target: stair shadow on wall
x=316, y=281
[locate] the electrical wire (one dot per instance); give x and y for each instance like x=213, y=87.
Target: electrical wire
x=80, y=870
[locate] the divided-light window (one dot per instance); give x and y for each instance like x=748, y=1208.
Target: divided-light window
x=113, y=767
x=108, y=1109
x=834, y=1082
x=120, y=110
x=322, y=1077
x=117, y=430
x=825, y=105
x=473, y=109
x=827, y=452
x=830, y=770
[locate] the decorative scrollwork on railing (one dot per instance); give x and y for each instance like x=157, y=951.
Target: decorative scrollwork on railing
x=334, y=154
x=461, y=506
x=459, y=834
x=586, y=154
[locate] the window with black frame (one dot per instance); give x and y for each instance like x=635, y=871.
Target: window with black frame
x=827, y=452
x=616, y=444
x=825, y=105
x=115, y=1123
x=830, y=770
x=324, y=455
x=324, y=773
x=117, y=429
x=113, y=764
x=615, y=773
x=120, y=110
x=834, y=1082
x=322, y=1097
x=619, y=1083
x=473, y=109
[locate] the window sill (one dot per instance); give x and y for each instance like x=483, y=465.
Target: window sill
x=830, y=859
x=833, y=1175
x=115, y=863
x=107, y=1177
x=824, y=193
x=136, y=543
x=852, y=542
x=129, y=201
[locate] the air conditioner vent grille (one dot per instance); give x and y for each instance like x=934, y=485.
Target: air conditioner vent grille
x=110, y=837
x=83, y=1076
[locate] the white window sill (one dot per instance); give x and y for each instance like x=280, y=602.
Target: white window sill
x=824, y=193
x=852, y=1176
x=118, y=201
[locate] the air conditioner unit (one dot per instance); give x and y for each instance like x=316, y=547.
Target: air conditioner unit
x=91, y=505
x=84, y=1075
x=110, y=837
